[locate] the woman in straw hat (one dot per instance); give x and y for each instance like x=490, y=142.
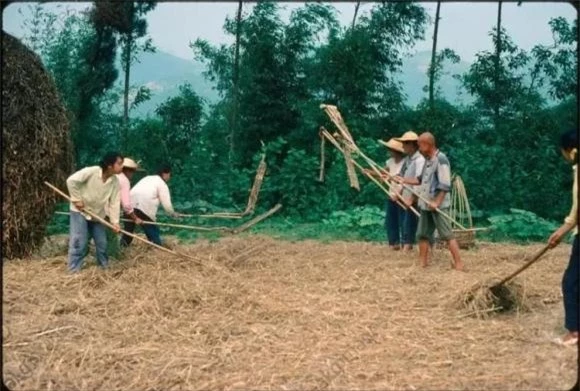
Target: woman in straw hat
x=570, y=281
x=394, y=212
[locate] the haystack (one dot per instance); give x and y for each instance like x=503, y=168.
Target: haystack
x=35, y=147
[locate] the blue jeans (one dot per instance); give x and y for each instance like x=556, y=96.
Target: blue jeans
x=151, y=231
x=81, y=231
x=393, y=222
x=570, y=289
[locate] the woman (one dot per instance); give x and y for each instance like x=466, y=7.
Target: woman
x=569, y=149
x=394, y=212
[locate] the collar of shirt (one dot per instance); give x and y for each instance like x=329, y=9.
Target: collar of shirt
x=415, y=155
x=101, y=176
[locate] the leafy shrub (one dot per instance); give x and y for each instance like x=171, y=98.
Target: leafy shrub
x=368, y=220
x=520, y=225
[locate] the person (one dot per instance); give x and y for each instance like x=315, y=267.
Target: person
x=146, y=196
x=569, y=149
x=393, y=211
x=94, y=189
x=129, y=169
x=434, y=186
x=412, y=168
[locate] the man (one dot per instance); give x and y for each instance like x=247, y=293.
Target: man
x=95, y=189
x=146, y=196
x=411, y=170
x=434, y=186
x=571, y=281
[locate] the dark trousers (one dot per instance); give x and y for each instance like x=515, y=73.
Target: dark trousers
x=410, y=222
x=151, y=231
x=570, y=289
x=394, y=222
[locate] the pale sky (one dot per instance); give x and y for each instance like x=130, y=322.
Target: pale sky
x=464, y=26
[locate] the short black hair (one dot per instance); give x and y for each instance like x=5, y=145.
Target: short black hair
x=110, y=159
x=569, y=139
x=164, y=168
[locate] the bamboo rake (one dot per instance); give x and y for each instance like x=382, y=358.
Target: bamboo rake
x=109, y=225
x=257, y=219
x=170, y=225
x=252, y=199
x=336, y=118
x=337, y=145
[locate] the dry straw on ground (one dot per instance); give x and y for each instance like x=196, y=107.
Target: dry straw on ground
x=282, y=316
x=35, y=147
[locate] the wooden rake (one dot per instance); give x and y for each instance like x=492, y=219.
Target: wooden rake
x=334, y=142
x=109, y=225
x=336, y=118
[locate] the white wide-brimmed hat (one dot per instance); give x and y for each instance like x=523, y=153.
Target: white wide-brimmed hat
x=130, y=163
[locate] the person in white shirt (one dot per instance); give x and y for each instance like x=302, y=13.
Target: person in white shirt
x=146, y=196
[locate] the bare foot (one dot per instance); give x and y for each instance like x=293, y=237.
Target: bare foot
x=460, y=267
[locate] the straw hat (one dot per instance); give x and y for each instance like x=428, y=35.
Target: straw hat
x=393, y=144
x=408, y=136
x=130, y=163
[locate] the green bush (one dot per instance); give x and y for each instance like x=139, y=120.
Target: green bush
x=520, y=226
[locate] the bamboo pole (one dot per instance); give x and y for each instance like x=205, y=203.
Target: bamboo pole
x=337, y=145
x=169, y=225
x=321, y=174
x=339, y=122
x=257, y=219
x=109, y=225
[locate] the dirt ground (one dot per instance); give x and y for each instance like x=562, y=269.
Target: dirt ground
x=267, y=314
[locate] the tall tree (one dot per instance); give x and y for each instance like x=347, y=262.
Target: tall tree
x=132, y=28
x=356, y=7
x=236, y=85
x=433, y=56
x=498, y=50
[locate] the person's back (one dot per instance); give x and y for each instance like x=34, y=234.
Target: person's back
x=145, y=195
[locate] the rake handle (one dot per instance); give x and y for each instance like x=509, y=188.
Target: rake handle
x=107, y=224
x=525, y=266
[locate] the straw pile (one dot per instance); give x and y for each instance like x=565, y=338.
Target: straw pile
x=278, y=315
x=35, y=147
x=483, y=300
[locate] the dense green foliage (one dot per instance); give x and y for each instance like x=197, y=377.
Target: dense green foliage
x=503, y=145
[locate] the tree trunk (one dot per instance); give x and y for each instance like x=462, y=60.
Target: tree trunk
x=355, y=13
x=127, y=70
x=236, y=78
x=434, y=58
x=497, y=66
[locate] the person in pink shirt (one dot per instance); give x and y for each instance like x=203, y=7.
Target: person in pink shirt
x=129, y=169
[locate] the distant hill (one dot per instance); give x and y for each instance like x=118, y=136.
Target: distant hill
x=163, y=73
x=414, y=77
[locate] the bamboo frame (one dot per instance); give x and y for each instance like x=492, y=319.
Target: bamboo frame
x=109, y=225
x=336, y=118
